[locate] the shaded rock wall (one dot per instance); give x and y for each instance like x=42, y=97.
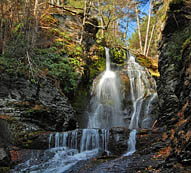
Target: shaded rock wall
x=40, y=105
x=27, y=109
x=174, y=84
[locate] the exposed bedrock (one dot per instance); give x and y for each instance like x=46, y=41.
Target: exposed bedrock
x=28, y=108
x=174, y=84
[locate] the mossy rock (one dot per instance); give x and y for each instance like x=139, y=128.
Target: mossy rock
x=35, y=133
x=33, y=140
x=4, y=169
x=118, y=55
x=176, y=4
x=8, y=118
x=186, y=44
x=144, y=61
x=183, y=41
x=150, y=64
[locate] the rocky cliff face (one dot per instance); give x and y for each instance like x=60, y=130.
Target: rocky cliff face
x=72, y=24
x=28, y=108
x=174, y=84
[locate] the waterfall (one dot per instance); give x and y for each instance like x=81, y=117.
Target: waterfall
x=67, y=148
x=131, y=143
x=147, y=121
x=141, y=88
x=106, y=104
x=81, y=140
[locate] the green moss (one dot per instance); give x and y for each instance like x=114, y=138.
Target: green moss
x=177, y=43
x=26, y=138
x=27, y=143
x=96, y=61
x=186, y=44
x=24, y=104
x=4, y=169
x=118, y=55
x=144, y=61
x=35, y=133
x=81, y=98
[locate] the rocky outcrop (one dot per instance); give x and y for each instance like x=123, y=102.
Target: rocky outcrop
x=150, y=63
x=174, y=84
x=39, y=106
x=29, y=108
x=72, y=23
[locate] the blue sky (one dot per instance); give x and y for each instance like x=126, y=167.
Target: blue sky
x=133, y=25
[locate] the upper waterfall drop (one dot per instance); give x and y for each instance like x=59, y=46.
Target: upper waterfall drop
x=108, y=63
x=106, y=111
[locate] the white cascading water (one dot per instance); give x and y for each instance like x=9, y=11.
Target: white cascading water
x=81, y=140
x=68, y=149
x=141, y=88
x=147, y=121
x=131, y=143
x=106, y=104
x=106, y=112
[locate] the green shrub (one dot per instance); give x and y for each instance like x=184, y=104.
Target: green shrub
x=57, y=66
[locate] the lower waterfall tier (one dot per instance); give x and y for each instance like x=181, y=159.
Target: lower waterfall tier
x=68, y=148
x=81, y=140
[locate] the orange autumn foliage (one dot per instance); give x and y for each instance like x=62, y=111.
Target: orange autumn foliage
x=14, y=156
x=163, y=153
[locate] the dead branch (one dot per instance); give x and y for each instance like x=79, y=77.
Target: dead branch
x=65, y=9
x=30, y=64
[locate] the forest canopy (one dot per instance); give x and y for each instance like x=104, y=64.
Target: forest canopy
x=35, y=40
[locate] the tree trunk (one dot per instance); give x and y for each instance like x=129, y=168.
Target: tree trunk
x=2, y=31
x=83, y=23
x=139, y=30
x=126, y=30
x=150, y=39
x=102, y=28
x=148, y=26
x=36, y=23
x=101, y=20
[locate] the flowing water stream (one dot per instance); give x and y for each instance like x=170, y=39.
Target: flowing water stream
x=68, y=148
